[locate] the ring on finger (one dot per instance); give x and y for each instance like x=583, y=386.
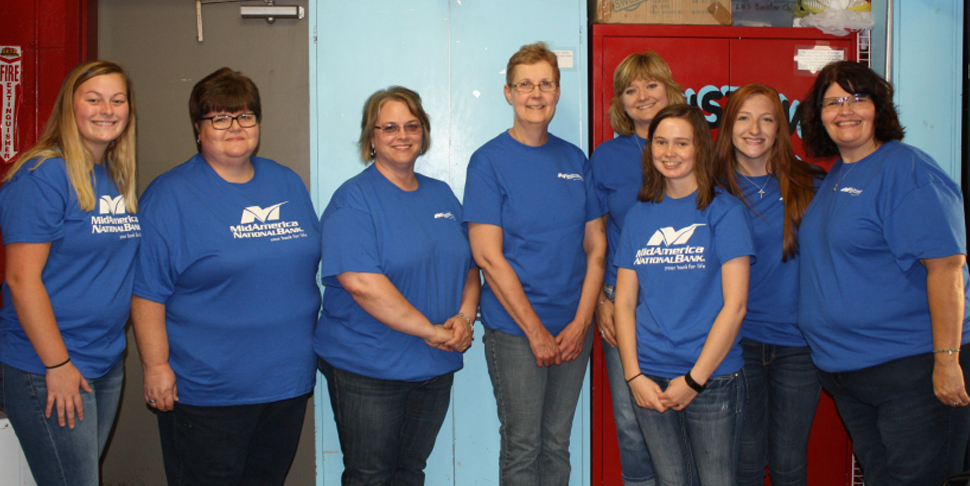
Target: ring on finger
x=151, y=401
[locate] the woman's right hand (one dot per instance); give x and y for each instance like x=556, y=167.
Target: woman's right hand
x=545, y=348
x=440, y=337
x=160, y=390
x=604, y=322
x=64, y=385
x=647, y=393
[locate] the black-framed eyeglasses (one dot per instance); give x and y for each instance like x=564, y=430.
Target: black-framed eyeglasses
x=527, y=87
x=223, y=122
x=851, y=101
x=412, y=128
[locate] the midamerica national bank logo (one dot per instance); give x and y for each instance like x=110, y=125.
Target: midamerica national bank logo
x=670, y=247
x=113, y=218
x=257, y=222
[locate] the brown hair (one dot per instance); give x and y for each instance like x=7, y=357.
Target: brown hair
x=796, y=178
x=654, y=183
x=372, y=111
x=531, y=54
x=224, y=90
x=61, y=138
x=856, y=79
x=640, y=65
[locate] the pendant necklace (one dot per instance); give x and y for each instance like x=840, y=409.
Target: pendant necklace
x=843, y=173
x=636, y=138
x=761, y=190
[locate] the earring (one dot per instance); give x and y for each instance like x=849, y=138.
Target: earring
x=372, y=153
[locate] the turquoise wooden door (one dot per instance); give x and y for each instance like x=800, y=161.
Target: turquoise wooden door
x=454, y=54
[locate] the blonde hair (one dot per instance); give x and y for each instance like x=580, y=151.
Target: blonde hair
x=61, y=138
x=648, y=66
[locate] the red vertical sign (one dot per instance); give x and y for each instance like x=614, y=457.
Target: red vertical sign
x=11, y=94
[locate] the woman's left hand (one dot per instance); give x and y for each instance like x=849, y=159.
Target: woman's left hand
x=948, y=383
x=464, y=333
x=571, y=340
x=678, y=394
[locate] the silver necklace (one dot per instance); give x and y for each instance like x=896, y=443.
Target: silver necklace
x=637, y=140
x=761, y=190
x=843, y=173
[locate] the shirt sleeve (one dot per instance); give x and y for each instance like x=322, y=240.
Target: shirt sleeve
x=732, y=234
x=32, y=209
x=623, y=258
x=596, y=167
x=926, y=223
x=158, y=261
x=483, y=193
x=594, y=208
x=350, y=241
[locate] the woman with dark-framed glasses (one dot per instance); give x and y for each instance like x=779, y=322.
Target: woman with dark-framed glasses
x=402, y=295
x=536, y=229
x=225, y=298
x=883, y=285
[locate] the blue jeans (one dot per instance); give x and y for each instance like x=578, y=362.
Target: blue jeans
x=535, y=407
x=783, y=391
x=634, y=456
x=231, y=445
x=901, y=434
x=704, y=434
x=387, y=428
x=60, y=455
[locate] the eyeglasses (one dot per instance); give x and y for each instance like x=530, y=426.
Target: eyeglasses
x=223, y=122
x=527, y=87
x=393, y=128
x=851, y=101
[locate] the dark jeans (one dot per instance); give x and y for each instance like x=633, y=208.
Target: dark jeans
x=783, y=391
x=229, y=446
x=901, y=434
x=387, y=428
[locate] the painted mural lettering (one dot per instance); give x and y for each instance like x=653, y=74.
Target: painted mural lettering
x=710, y=99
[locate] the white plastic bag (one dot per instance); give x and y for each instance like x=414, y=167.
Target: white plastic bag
x=837, y=17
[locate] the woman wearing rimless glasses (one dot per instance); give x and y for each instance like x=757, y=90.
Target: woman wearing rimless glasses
x=884, y=283
x=226, y=298
x=402, y=294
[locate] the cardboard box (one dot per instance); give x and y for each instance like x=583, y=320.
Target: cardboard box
x=763, y=13
x=684, y=12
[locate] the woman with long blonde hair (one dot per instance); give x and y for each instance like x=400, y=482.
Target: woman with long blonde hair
x=70, y=236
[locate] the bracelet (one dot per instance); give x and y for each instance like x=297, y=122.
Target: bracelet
x=693, y=384
x=947, y=351
x=58, y=365
x=470, y=322
x=634, y=377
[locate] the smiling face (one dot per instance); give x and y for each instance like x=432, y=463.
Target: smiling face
x=537, y=107
x=228, y=147
x=755, y=130
x=851, y=128
x=101, y=112
x=675, y=155
x=398, y=148
x=642, y=100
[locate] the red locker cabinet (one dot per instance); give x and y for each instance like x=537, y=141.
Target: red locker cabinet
x=711, y=62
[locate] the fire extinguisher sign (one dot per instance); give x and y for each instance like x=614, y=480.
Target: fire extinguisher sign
x=10, y=96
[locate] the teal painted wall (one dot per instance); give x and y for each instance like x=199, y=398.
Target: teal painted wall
x=454, y=54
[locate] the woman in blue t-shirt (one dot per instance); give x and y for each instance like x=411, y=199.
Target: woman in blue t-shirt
x=226, y=298
x=642, y=86
x=883, y=286
x=681, y=289
x=535, y=227
x=70, y=234
x=755, y=162
x=402, y=295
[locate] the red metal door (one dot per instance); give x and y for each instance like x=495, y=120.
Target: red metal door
x=711, y=62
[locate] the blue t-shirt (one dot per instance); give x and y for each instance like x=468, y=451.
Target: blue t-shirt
x=89, y=268
x=773, y=293
x=863, y=288
x=677, y=252
x=542, y=198
x=235, y=266
x=416, y=240
x=617, y=175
